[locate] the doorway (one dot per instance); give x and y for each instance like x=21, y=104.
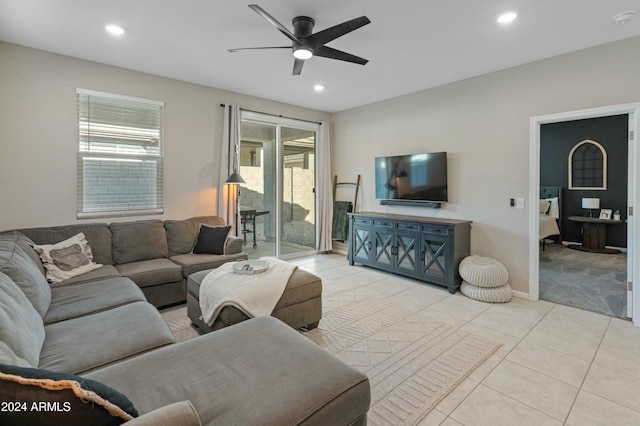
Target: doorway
x=633, y=238
x=587, y=161
x=277, y=202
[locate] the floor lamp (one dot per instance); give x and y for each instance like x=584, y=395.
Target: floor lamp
x=234, y=182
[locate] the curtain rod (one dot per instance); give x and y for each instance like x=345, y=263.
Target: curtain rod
x=279, y=116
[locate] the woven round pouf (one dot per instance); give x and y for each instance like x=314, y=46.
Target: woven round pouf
x=483, y=272
x=500, y=294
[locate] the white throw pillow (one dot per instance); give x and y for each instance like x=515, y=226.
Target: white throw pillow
x=67, y=259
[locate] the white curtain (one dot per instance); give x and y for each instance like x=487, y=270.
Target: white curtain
x=324, y=189
x=229, y=163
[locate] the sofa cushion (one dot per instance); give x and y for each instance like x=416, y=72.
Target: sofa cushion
x=211, y=239
x=197, y=262
x=103, y=272
x=182, y=234
x=81, y=344
x=26, y=244
x=67, y=399
x=21, y=329
x=17, y=264
x=98, y=235
x=261, y=371
x=151, y=272
x=67, y=259
x=73, y=301
x=138, y=240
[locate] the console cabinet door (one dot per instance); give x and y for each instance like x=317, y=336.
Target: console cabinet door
x=407, y=249
x=383, y=249
x=361, y=244
x=434, y=265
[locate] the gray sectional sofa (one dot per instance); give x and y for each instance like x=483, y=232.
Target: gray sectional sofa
x=98, y=340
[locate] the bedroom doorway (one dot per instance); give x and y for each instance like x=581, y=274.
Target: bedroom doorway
x=633, y=194
x=573, y=167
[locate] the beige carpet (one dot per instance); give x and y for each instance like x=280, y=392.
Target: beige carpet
x=412, y=361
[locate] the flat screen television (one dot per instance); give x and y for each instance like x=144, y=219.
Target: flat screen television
x=415, y=177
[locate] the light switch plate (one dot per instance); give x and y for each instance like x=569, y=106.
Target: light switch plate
x=520, y=203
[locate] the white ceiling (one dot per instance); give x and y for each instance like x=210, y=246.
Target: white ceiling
x=411, y=44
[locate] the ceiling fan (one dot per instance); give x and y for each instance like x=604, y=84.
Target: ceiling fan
x=306, y=43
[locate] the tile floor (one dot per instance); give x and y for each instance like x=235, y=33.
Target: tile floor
x=557, y=365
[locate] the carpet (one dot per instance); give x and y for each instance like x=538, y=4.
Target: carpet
x=591, y=281
x=412, y=362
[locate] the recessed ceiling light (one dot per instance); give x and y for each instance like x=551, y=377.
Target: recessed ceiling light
x=318, y=87
x=624, y=17
x=115, y=30
x=508, y=17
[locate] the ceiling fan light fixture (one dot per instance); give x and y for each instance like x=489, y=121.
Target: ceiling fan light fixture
x=115, y=30
x=302, y=53
x=507, y=18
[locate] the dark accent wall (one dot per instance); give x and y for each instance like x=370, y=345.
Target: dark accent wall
x=556, y=142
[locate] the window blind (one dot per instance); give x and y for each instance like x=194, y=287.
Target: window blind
x=120, y=155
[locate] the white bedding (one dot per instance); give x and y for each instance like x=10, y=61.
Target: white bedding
x=548, y=226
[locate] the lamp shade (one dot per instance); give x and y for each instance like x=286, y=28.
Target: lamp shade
x=591, y=203
x=234, y=178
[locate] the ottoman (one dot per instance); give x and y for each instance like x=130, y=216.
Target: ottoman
x=300, y=304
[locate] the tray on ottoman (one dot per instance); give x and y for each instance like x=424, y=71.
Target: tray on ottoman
x=300, y=305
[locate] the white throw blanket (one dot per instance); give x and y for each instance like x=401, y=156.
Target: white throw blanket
x=255, y=295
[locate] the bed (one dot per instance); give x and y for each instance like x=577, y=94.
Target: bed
x=550, y=214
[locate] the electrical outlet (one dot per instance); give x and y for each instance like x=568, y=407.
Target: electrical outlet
x=520, y=203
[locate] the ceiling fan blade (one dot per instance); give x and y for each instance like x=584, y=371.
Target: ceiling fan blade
x=258, y=48
x=273, y=21
x=325, y=36
x=297, y=66
x=328, y=52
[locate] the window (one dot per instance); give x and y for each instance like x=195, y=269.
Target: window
x=588, y=166
x=120, y=155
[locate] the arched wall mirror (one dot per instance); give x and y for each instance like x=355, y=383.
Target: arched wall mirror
x=588, y=166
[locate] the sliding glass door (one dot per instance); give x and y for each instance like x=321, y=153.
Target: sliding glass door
x=277, y=202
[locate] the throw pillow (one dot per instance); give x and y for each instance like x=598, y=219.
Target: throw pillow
x=211, y=239
x=40, y=397
x=544, y=206
x=67, y=259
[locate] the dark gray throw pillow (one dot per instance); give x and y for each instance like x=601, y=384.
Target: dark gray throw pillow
x=211, y=239
x=40, y=397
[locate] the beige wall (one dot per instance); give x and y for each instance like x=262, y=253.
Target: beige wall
x=483, y=123
x=38, y=134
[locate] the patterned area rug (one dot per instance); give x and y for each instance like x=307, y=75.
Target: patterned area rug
x=412, y=362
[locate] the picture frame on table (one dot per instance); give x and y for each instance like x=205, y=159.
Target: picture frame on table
x=605, y=214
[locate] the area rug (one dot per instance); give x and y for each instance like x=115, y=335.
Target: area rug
x=412, y=362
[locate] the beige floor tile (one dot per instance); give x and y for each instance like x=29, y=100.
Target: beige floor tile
x=551, y=362
x=480, y=373
x=453, y=400
x=614, y=386
x=577, y=326
x=486, y=407
x=580, y=315
x=623, y=334
x=564, y=341
x=502, y=323
x=507, y=341
x=532, y=388
x=434, y=418
x=618, y=359
x=450, y=422
x=460, y=306
x=524, y=309
x=590, y=409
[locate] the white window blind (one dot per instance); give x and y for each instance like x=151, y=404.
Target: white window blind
x=120, y=155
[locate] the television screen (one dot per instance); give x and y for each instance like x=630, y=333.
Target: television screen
x=416, y=177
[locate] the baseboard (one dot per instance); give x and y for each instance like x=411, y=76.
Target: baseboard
x=520, y=294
